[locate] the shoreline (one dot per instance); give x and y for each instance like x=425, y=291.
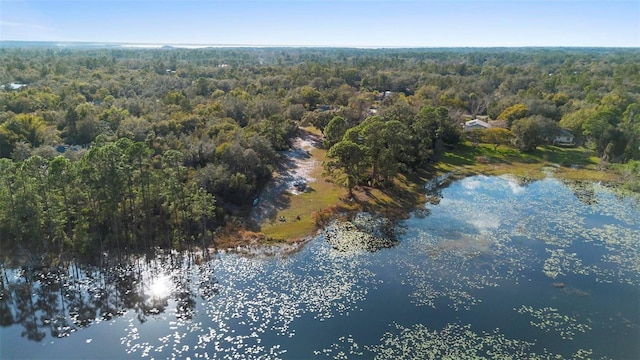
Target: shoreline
x=396, y=202
x=409, y=192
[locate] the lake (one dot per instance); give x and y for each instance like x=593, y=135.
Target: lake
x=495, y=267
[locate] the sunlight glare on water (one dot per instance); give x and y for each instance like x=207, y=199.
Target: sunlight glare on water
x=161, y=287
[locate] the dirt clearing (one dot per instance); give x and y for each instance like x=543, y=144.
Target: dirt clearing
x=298, y=189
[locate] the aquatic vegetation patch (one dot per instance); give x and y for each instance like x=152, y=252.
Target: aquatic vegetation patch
x=454, y=341
x=623, y=252
x=364, y=232
x=435, y=281
x=560, y=262
x=550, y=319
x=345, y=348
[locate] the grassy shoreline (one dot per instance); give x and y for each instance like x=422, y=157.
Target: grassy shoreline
x=566, y=163
x=305, y=213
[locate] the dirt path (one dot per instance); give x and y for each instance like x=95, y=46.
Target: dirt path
x=296, y=168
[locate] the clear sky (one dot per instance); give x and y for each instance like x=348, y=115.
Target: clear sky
x=377, y=23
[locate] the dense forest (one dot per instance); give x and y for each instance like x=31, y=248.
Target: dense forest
x=104, y=149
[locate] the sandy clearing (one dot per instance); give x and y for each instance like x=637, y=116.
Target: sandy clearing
x=297, y=166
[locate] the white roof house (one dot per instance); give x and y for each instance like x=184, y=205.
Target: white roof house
x=564, y=138
x=13, y=86
x=476, y=124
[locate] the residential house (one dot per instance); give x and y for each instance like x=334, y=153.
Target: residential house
x=476, y=124
x=564, y=138
x=13, y=86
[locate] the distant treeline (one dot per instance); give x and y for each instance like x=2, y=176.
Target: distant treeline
x=219, y=116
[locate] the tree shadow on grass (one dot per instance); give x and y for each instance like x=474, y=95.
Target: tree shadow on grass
x=566, y=156
x=266, y=211
x=393, y=201
x=457, y=160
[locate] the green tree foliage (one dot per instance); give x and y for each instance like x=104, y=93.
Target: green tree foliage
x=630, y=128
x=319, y=119
x=597, y=127
x=574, y=120
x=278, y=129
x=399, y=111
x=475, y=136
x=533, y=131
x=28, y=128
x=334, y=131
x=432, y=128
x=385, y=143
x=61, y=177
x=8, y=220
x=496, y=136
x=387, y=147
x=311, y=97
x=513, y=113
x=346, y=164
x=113, y=198
x=611, y=130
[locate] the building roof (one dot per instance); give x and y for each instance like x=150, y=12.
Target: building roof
x=477, y=122
x=564, y=132
x=13, y=86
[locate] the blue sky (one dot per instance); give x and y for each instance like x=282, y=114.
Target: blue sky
x=377, y=23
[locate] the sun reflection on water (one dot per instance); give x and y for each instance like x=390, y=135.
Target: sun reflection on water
x=160, y=287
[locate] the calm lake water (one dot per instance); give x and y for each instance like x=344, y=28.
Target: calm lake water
x=497, y=268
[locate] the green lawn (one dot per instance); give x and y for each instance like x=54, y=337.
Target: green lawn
x=468, y=155
x=574, y=163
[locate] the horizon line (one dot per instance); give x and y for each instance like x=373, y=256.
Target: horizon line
x=156, y=45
